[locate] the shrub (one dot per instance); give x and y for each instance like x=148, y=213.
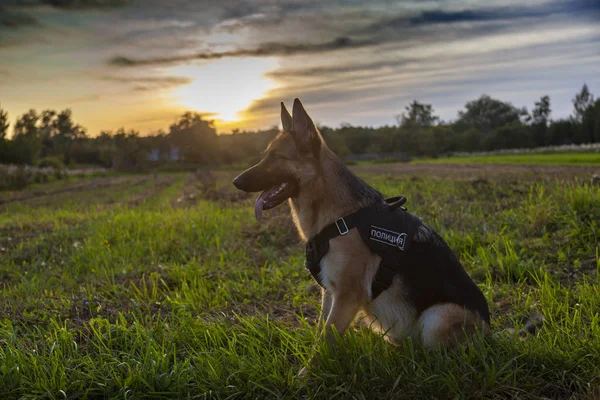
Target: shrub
x=51, y=162
x=15, y=177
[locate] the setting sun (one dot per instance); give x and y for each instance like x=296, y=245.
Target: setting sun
x=223, y=88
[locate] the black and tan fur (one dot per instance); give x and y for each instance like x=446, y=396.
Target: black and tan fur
x=436, y=310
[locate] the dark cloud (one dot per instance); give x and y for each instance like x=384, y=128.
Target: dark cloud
x=446, y=17
x=13, y=13
x=405, y=23
x=263, y=50
x=86, y=3
x=239, y=10
x=576, y=7
x=73, y=4
x=10, y=18
x=589, y=8
x=483, y=14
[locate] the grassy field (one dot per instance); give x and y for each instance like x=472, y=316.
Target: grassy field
x=534, y=159
x=165, y=286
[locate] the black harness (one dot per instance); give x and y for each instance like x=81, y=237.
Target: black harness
x=386, y=228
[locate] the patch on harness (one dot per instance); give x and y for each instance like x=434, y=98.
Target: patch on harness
x=385, y=236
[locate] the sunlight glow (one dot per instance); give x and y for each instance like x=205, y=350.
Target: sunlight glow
x=224, y=87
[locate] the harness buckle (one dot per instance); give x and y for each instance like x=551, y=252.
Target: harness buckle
x=337, y=224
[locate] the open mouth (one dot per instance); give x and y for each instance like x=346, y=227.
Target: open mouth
x=273, y=197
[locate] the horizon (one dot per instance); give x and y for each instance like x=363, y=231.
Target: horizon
x=119, y=64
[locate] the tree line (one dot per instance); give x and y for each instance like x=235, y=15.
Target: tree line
x=52, y=138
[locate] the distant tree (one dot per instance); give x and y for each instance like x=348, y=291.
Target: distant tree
x=131, y=151
x=414, y=135
x=26, y=125
x=4, y=124
x=582, y=101
x=417, y=115
x=64, y=133
x=469, y=140
x=26, y=141
x=511, y=136
x=539, y=121
x=55, y=131
x=46, y=131
x=561, y=132
x=6, y=151
x=541, y=112
x=484, y=124
x=104, y=143
x=487, y=114
x=66, y=129
x=434, y=141
x=590, y=124
x=189, y=119
x=358, y=139
x=243, y=146
x=196, y=137
x=335, y=141
x=104, y=137
x=524, y=116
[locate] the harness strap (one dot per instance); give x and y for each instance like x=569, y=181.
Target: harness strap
x=318, y=246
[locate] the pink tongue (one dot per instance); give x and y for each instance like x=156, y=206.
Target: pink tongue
x=260, y=202
x=258, y=207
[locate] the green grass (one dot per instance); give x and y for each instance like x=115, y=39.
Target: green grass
x=126, y=291
x=533, y=159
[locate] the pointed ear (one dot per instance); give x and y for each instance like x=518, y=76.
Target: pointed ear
x=286, y=119
x=305, y=132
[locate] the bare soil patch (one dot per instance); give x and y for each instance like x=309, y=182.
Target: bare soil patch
x=50, y=192
x=480, y=171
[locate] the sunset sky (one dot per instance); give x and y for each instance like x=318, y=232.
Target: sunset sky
x=140, y=63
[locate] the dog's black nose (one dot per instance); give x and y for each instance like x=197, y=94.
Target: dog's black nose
x=239, y=182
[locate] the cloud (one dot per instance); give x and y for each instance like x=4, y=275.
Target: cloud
x=5, y=76
x=482, y=14
x=576, y=7
x=72, y=4
x=446, y=75
x=150, y=82
x=15, y=19
x=386, y=53
x=87, y=98
x=328, y=70
x=446, y=17
x=16, y=14
x=264, y=50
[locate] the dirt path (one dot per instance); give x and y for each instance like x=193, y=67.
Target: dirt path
x=79, y=186
x=472, y=171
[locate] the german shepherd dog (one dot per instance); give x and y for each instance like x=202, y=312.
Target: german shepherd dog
x=431, y=300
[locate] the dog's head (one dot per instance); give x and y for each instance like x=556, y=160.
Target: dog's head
x=290, y=163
